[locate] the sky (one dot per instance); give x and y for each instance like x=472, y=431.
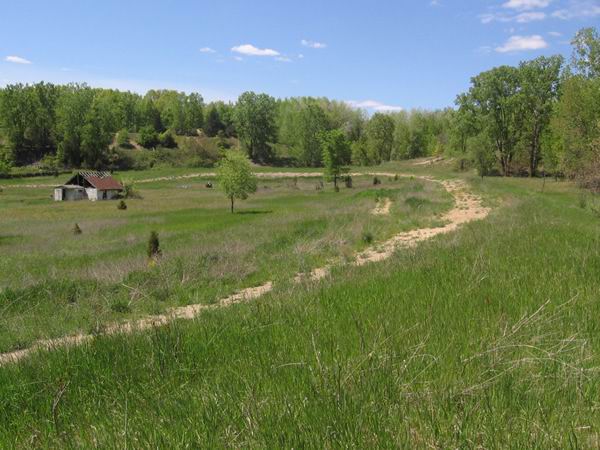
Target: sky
x=378, y=55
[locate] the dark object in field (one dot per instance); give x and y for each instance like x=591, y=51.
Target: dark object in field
x=208, y=185
x=376, y=181
x=367, y=237
x=396, y=177
x=76, y=229
x=153, y=246
x=122, y=205
x=319, y=185
x=348, y=181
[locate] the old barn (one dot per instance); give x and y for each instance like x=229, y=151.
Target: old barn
x=89, y=185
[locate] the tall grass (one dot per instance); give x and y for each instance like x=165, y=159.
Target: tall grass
x=57, y=283
x=484, y=338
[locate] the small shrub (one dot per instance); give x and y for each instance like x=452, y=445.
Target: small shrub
x=348, y=181
x=122, y=205
x=396, y=177
x=376, y=181
x=154, y=250
x=367, y=237
x=76, y=229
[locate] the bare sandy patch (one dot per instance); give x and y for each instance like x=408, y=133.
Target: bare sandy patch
x=382, y=208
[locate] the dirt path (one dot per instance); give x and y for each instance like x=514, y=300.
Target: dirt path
x=382, y=208
x=468, y=207
x=429, y=161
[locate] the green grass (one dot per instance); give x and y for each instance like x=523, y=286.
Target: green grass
x=487, y=337
x=55, y=282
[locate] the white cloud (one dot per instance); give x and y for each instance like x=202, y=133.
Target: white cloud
x=578, y=9
x=207, y=50
x=17, y=60
x=283, y=59
x=373, y=105
x=300, y=56
x=251, y=50
x=554, y=33
x=530, y=17
x=523, y=5
x=312, y=44
x=524, y=17
x=523, y=43
x=238, y=58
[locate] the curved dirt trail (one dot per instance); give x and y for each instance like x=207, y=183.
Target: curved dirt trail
x=468, y=207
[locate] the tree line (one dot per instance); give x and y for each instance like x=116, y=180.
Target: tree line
x=543, y=113
x=78, y=126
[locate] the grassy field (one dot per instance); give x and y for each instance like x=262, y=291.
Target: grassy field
x=484, y=338
x=55, y=282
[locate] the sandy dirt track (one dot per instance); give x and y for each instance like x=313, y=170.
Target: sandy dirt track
x=468, y=207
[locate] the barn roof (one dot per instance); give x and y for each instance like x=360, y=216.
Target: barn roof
x=99, y=180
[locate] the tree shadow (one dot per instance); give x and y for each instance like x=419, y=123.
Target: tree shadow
x=254, y=211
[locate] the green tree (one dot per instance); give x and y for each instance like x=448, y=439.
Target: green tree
x=540, y=81
x=193, y=113
x=336, y=154
x=72, y=110
x=495, y=98
x=255, y=123
x=213, y=123
x=312, y=122
x=360, y=152
x=479, y=147
x=95, y=139
x=586, y=53
x=122, y=138
x=235, y=176
x=380, y=138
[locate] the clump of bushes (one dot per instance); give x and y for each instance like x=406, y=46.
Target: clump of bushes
x=77, y=229
x=167, y=139
x=367, y=237
x=348, y=181
x=129, y=191
x=122, y=139
x=376, y=181
x=148, y=137
x=122, y=205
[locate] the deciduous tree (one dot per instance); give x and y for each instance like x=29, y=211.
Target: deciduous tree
x=235, y=177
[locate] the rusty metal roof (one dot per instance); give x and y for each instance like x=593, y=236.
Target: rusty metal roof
x=99, y=180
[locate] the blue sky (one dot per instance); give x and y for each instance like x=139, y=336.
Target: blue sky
x=376, y=54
